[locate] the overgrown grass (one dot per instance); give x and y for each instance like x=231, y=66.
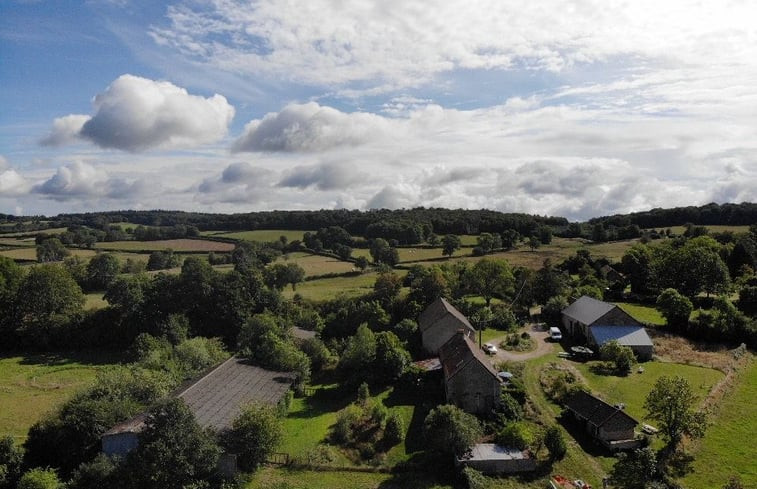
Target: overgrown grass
x=728, y=446
x=633, y=388
x=34, y=384
x=269, y=478
x=329, y=288
x=643, y=314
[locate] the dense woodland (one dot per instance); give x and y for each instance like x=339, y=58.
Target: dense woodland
x=174, y=326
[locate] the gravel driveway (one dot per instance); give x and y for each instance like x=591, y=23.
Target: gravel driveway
x=540, y=335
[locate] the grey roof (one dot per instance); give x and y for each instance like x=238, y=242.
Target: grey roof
x=458, y=352
x=218, y=397
x=625, y=335
x=586, y=309
x=598, y=412
x=437, y=310
x=490, y=451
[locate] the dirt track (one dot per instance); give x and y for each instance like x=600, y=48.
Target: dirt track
x=539, y=334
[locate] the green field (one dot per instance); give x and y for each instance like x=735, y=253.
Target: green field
x=33, y=385
x=23, y=242
x=174, y=244
x=714, y=228
x=317, y=264
x=633, y=389
x=258, y=235
x=94, y=300
x=408, y=255
x=728, y=446
x=22, y=254
x=329, y=288
x=643, y=314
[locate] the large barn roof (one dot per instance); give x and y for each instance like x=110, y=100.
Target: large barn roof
x=586, y=309
x=218, y=397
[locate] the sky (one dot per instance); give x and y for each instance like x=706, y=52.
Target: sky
x=574, y=108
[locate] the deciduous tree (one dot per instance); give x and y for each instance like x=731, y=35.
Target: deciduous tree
x=671, y=403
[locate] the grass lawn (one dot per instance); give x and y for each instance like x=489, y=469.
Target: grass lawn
x=329, y=288
x=259, y=234
x=35, y=384
x=174, y=244
x=633, y=389
x=643, y=314
x=424, y=254
x=94, y=300
x=728, y=446
x=317, y=264
x=25, y=254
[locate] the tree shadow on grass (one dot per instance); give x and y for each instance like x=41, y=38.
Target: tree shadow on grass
x=325, y=400
x=58, y=359
x=577, y=430
x=423, y=394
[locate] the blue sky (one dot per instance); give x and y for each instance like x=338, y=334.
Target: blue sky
x=573, y=108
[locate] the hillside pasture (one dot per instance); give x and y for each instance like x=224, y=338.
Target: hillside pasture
x=32, y=385
x=21, y=254
x=713, y=228
x=412, y=255
x=330, y=288
x=317, y=264
x=34, y=233
x=632, y=389
x=17, y=242
x=179, y=245
x=728, y=446
x=265, y=235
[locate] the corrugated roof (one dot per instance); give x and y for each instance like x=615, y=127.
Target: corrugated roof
x=458, y=352
x=586, y=309
x=598, y=412
x=625, y=335
x=437, y=310
x=490, y=451
x=218, y=397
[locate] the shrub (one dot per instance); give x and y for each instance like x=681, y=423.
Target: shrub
x=555, y=443
x=394, y=430
x=514, y=435
x=254, y=436
x=40, y=479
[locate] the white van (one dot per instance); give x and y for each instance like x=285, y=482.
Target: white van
x=555, y=333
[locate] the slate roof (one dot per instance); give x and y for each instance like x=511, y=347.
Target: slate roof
x=437, y=310
x=458, y=352
x=218, y=397
x=586, y=309
x=598, y=412
x=625, y=335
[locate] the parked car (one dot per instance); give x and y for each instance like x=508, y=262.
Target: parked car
x=490, y=349
x=555, y=333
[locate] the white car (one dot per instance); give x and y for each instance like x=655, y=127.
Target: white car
x=490, y=349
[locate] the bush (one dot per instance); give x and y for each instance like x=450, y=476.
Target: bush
x=621, y=356
x=514, y=435
x=555, y=443
x=474, y=479
x=394, y=430
x=40, y=479
x=254, y=436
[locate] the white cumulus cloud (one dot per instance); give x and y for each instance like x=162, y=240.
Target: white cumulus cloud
x=135, y=114
x=309, y=127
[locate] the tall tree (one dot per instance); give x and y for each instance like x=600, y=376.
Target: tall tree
x=254, y=436
x=491, y=278
x=51, y=249
x=173, y=450
x=450, y=244
x=671, y=403
x=102, y=269
x=675, y=308
x=449, y=429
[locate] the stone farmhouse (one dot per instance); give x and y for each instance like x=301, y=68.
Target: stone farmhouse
x=470, y=381
x=439, y=322
x=588, y=320
x=609, y=425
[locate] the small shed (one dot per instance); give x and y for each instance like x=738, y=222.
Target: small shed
x=609, y=425
x=635, y=337
x=489, y=458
